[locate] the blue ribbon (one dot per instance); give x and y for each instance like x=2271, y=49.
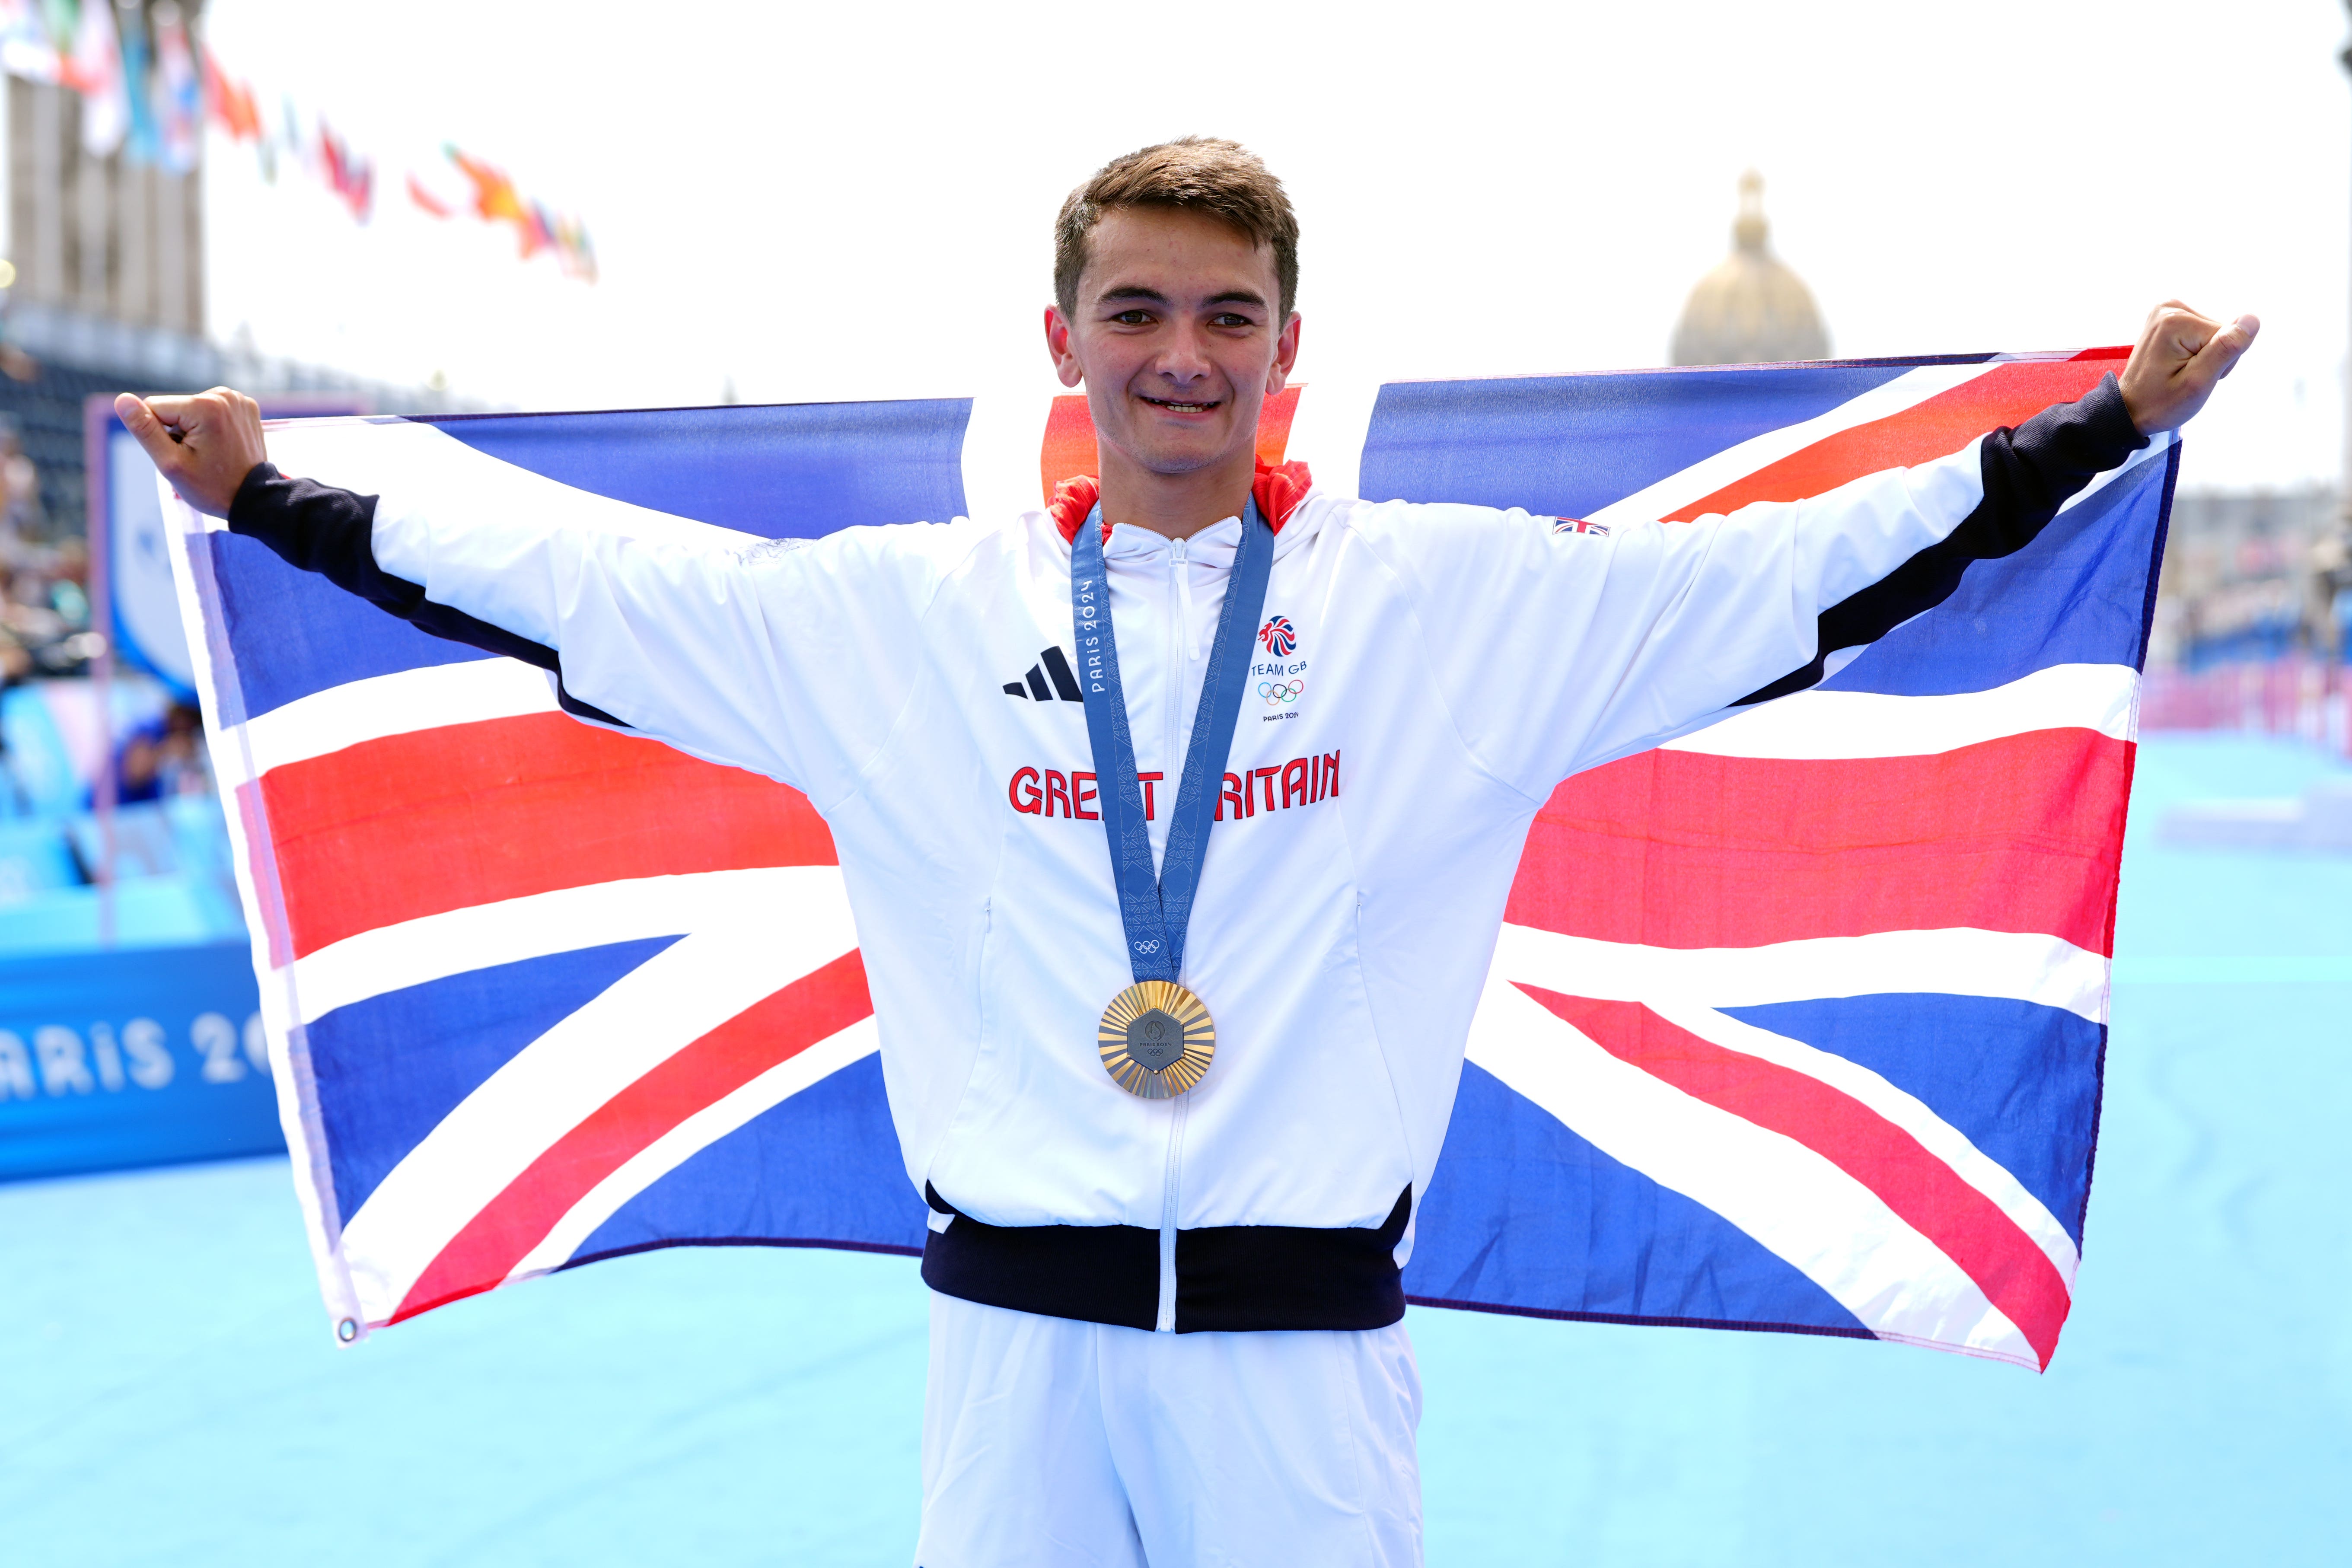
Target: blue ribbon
x=1156, y=909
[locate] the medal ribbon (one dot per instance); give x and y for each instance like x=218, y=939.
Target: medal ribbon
x=1156, y=909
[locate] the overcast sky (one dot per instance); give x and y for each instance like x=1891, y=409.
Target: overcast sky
x=855, y=202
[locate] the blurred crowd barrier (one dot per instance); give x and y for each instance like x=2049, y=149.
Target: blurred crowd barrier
x=117, y=1058
x=2296, y=695
x=130, y=1032
x=2252, y=575
x=152, y=871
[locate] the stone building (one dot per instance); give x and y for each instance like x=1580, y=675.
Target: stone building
x=104, y=237
x=102, y=284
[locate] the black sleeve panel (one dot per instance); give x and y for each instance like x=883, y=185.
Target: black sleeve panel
x=321, y=529
x=2029, y=473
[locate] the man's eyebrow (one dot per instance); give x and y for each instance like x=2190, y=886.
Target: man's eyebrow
x=1154, y=297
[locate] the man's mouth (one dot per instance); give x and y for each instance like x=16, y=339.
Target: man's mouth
x=1174, y=407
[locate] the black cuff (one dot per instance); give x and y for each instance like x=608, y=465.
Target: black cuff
x=321, y=529
x=260, y=496
x=2110, y=421
x=2062, y=449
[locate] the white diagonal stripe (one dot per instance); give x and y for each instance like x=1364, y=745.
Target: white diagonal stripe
x=693, y=1135
x=1327, y=432
x=2156, y=446
x=400, y=703
x=1959, y=961
x=554, y=1083
x=1000, y=475
x=1820, y=726
x=1710, y=474
x=1897, y=1106
x=431, y=947
x=1796, y=1204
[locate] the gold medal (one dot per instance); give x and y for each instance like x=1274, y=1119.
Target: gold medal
x=1157, y=1040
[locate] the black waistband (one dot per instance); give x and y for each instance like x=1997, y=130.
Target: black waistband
x=1228, y=1277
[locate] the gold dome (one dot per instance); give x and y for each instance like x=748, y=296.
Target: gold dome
x=1752, y=310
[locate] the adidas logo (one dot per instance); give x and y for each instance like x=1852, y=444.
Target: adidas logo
x=1052, y=665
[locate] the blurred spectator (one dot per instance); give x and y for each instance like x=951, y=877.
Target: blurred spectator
x=70, y=580
x=44, y=587
x=27, y=610
x=2330, y=597
x=162, y=757
x=21, y=517
x=2250, y=575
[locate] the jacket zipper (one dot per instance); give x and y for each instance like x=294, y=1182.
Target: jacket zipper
x=1180, y=669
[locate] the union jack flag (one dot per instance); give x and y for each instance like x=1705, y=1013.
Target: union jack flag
x=1796, y=1022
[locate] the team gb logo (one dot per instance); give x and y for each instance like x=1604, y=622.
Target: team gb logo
x=1279, y=637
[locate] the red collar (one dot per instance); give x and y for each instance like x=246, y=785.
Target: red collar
x=1278, y=492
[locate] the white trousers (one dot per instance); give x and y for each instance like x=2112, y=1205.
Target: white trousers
x=1049, y=1442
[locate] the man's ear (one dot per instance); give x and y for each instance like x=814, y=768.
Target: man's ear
x=1058, y=343
x=1285, y=355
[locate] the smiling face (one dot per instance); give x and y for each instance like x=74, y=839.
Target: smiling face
x=1178, y=338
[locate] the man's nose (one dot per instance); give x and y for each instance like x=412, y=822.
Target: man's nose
x=1183, y=355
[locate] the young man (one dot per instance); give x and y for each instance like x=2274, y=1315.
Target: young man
x=1167, y=1319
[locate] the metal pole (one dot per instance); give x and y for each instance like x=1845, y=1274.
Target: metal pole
x=98, y=414
x=2334, y=582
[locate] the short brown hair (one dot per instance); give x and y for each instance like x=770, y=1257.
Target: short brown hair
x=1201, y=173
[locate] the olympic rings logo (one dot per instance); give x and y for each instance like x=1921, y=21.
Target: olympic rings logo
x=1147, y=947
x=1279, y=691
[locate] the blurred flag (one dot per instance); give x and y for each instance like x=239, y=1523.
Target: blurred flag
x=1795, y=1023
x=179, y=97
x=349, y=176
x=94, y=69
x=27, y=47
x=232, y=104
x=143, y=142
x=283, y=137
x=426, y=200
x=495, y=200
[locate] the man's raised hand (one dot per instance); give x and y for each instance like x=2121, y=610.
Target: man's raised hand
x=2180, y=357
x=205, y=445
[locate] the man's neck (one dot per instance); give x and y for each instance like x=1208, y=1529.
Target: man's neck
x=1176, y=505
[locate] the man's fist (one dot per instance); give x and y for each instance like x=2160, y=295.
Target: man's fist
x=2180, y=357
x=205, y=445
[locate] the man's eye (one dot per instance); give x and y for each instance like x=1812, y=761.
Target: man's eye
x=1229, y=320
x=1133, y=318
